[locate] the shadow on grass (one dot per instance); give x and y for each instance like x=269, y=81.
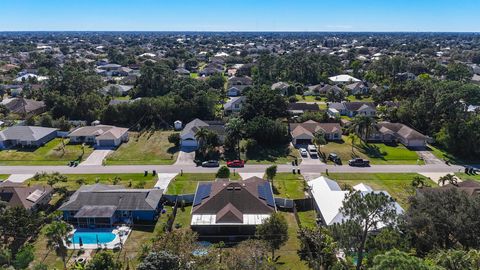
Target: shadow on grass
x=371, y=150
x=270, y=154
x=144, y=227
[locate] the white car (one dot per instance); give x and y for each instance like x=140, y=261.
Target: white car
x=312, y=149
x=303, y=152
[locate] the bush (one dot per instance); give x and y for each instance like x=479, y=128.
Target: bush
x=223, y=172
x=174, y=138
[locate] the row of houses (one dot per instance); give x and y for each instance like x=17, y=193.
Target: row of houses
x=32, y=136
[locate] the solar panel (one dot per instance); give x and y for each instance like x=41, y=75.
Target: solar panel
x=35, y=196
x=203, y=192
x=265, y=193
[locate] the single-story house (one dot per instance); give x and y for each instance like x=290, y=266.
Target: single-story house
x=328, y=199
x=24, y=107
x=26, y=136
x=234, y=104
x=470, y=187
x=343, y=79
x=282, y=87
x=300, y=108
x=116, y=89
x=28, y=197
x=240, y=81
x=322, y=89
x=304, y=133
x=100, y=135
x=357, y=88
x=236, y=90
x=352, y=109
x=30, y=76
x=102, y=205
x=182, y=72
x=231, y=208
x=392, y=132
x=187, y=136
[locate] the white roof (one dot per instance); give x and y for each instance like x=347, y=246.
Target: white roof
x=343, y=78
x=329, y=198
x=248, y=219
x=30, y=75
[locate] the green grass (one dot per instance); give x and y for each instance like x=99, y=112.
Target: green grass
x=183, y=218
x=377, y=153
x=444, y=155
x=289, y=258
x=301, y=98
x=187, y=183
x=363, y=99
x=289, y=185
x=193, y=75
x=136, y=180
x=47, y=256
x=397, y=184
x=123, y=98
x=464, y=176
x=3, y=177
x=278, y=155
x=145, y=148
x=49, y=154
x=308, y=218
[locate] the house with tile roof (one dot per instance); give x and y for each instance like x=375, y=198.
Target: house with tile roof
x=102, y=205
x=28, y=197
x=387, y=132
x=187, y=136
x=304, y=133
x=232, y=208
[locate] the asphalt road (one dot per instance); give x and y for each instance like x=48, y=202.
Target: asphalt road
x=247, y=169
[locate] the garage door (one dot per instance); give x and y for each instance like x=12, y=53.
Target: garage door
x=189, y=143
x=303, y=141
x=107, y=143
x=416, y=143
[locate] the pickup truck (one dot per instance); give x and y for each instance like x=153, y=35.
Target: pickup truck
x=359, y=162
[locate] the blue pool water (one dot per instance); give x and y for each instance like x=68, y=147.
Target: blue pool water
x=91, y=237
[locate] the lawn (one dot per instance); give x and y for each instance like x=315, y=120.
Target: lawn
x=128, y=180
x=3, y=177
x=398, y=185
x=464, y=176
x=278, y=155
x=301, y=98
x=363, y=99
x=289, y=258
x=289, y=185
x=444, y=155
x=308, y=218
x=183, y=218
x=145, y=148
x=187, y=183
x=47, y=256
x=49, y=154
x=377, y=153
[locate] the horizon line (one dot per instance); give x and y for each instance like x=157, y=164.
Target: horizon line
x=242, y=31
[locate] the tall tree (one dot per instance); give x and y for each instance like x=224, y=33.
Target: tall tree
x=234, y=129
x=161, y=260
x=103, y=260
x=363, y=213
x=363, y=125
x=317, y=247
x=274, y=231
x=57, y=234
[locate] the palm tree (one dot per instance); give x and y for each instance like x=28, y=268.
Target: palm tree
x=419, y=182
x=57, y=235
x=201, y=135
x=449, y=179
x=363, y=125
x=319, y=138
x=234, y=129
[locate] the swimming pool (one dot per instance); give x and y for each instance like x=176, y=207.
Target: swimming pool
x=92, y=237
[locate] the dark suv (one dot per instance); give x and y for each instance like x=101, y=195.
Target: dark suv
x=359, y=162
x=333, y=157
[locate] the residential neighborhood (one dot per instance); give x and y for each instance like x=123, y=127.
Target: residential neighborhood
x=238, y=149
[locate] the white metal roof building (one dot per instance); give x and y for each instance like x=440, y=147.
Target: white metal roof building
x=328, y=197
x=344, y=78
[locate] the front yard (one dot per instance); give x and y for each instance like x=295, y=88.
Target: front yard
x=52, y=153
x=150, y=147
x=265, y=155
x=74, y=181
x=377, y=153
x=398, y=185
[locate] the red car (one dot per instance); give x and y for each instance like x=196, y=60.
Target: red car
x=236, y=163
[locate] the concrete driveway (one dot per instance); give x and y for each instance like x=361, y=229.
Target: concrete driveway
x=186, y=156
x=96, y=157
x=428, y=157
x=164, y=180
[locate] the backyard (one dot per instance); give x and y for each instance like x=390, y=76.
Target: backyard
x=52, y=153
x=150, y=147
x=398, y=185
x=377, y=153
x=289, y=185
x=288, y=256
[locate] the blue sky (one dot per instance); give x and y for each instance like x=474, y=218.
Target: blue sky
x=241, y=15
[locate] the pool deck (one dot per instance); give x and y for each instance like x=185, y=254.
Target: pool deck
x=115, y=243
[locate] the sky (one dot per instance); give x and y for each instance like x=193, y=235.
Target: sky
x=241, y=15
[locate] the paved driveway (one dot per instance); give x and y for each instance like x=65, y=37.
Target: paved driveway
x=164, y=180
x=96, y=157
x=186, y=156
x=19, y=178
x=429, y=158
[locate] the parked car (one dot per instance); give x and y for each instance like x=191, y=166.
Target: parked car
x=334, y=158
x=303, y=152
x=312, y=150
x=236, y=163
x=210, y=163
x=359, y=162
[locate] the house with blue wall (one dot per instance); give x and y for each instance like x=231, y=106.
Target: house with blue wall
x=102, y=205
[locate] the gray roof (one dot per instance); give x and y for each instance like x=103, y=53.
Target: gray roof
x=401, y=130
x=119, y=87
x=100, y=131
x=118, y=196
x=233, y=101
x=23, y=106
x=25, y=133
x=195, y=125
